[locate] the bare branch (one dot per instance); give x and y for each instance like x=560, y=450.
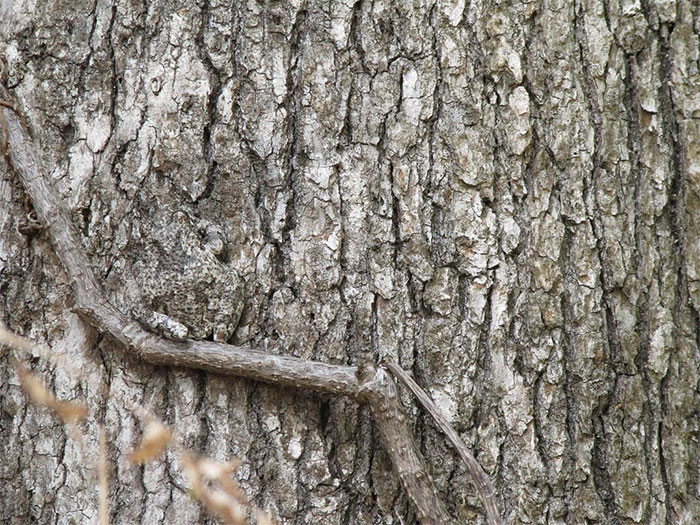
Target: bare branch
x=90, y=301
x=409, y=465
x=479, y=477
x=377, y=389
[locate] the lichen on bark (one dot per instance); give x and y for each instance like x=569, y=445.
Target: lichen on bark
x=499, y=197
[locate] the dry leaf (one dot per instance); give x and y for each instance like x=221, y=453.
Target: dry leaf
x=156, y=437
x=213, y=470
x=230, y=503
x=223, y=505
x=22, y=344
x=34, y=388
x=69, y=412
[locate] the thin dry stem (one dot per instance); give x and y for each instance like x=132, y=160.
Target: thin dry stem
x=102, y=475
x=68, y=411
x=228, y=503
x=21, y=345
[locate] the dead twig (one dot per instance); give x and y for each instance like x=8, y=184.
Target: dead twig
x=365, y=384
x=479, y=477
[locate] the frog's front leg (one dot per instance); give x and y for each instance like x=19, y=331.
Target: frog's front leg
x=160, y=324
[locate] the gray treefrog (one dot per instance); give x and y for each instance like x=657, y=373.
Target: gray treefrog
x=186, y=292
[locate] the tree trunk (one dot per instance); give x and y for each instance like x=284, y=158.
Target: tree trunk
x=502, y=198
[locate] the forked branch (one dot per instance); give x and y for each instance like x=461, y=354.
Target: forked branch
x=369, y=385
x=479, y=477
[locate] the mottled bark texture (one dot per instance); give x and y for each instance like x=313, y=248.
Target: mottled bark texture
x=502, y=198
x=365, y=383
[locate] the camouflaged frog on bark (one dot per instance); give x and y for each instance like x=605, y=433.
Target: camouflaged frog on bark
x=186, y=292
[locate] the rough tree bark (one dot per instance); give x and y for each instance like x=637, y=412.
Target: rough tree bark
x=502, y=198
